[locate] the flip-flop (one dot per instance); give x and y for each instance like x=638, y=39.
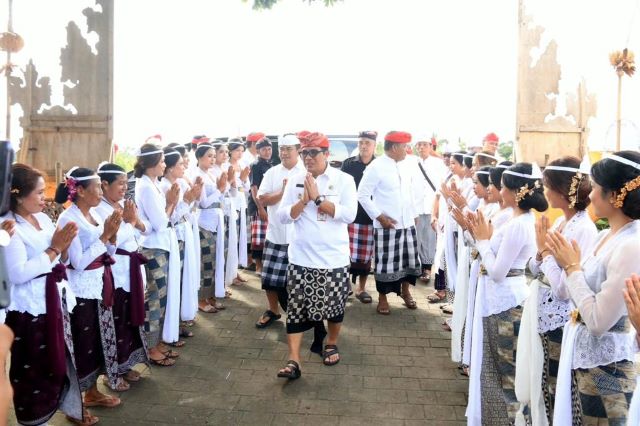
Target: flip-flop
x=364, y=297
x=171, y=354
x=164, y=362
x=435, y=298
x=383, y=311
x=107, y=401
x=87, y=419
x=208, y=309
x=176, y=344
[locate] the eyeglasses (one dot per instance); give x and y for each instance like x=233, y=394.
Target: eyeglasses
x=313, y=153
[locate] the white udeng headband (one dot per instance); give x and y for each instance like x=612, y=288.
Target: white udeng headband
x=623, y=161
x=143, y=154
x=482, y=172
x=166, y=154
x=78, y=179
x=562, y=169
x=486, y=155
x=536, y=173
x=503, y=166
x=111, y=172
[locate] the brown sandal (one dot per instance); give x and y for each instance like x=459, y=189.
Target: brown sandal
x=87, y=419
x=409, y=302
x=107, y=401
x=163, y=362
x=436, y=298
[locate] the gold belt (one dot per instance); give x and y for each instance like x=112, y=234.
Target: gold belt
x=511, y=273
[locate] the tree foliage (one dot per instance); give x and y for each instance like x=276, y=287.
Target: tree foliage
x=505, y=150
x=268, y=4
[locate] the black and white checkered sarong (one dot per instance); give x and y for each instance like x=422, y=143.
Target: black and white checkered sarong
x=315, y=295
x=397, y=259
x=275, y=260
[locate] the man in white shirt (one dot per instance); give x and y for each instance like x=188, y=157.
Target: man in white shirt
x=320, y=203
x=429, y=179
x=250, y=154
x=274, y=259
x=387, y=194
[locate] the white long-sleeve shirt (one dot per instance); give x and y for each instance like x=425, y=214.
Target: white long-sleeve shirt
x=387, y=187
x=26, y=259
x=510, y=247
x=580, y=228
x=152, y=205
x=126, y=240
x=277, y=232
x=321, y=241
x=597, y=290
x=210, y=196
x=84, y=249
x=436, y=170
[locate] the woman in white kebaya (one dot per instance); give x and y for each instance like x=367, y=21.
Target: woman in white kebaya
x=158, y=242
x=180, y=219
x=91, y=279
x=597, y=375
x=128, y=271
x=502, y=289
x=547, y=309
x=43, y=376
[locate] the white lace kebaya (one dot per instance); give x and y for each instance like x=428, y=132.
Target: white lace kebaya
x=597, y=291
x=553, y=300
x=84, y=249
x=26, y=261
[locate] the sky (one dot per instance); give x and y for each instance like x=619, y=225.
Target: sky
x=446, y=68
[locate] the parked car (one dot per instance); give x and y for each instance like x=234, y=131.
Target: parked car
x=342, y=147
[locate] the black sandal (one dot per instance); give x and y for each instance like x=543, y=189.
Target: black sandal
x=329, y=351
x=268, y=314
x=293, y=373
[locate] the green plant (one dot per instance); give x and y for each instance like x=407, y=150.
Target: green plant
x=125, y=159
x=602, y=224
x=505, y=150
x=268, y=4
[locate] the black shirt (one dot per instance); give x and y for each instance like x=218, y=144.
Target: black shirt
x=355, y=167
x=258, y=169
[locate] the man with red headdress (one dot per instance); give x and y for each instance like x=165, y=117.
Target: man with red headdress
x=490, y=143
x=387, y=194
x=320, y=202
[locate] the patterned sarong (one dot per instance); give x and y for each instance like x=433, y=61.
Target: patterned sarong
x=499, y=402
x=258, y=233
x=397, y=259
x=155, y=298
x=315, y=295
x=275, y=261
x=207, y=264
x=361, y=247
x=602, y=394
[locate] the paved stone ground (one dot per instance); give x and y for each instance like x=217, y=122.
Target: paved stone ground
x=395, y=370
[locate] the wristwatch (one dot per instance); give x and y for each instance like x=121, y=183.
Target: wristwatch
x=319, y=200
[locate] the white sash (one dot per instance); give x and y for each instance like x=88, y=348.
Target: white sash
x=530, y=363
x=231, y=267
x=562, y=411
x=242, y=240
x=461, y=299
x=471, y=302
x=171, y=329
x=474, y=406
x=190, y=278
